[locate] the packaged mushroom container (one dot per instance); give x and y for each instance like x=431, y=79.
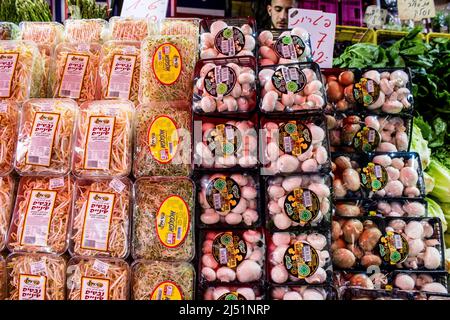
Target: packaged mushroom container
x=227, y=200
x=381, y=208
x=44, y=145
x=299, y=258
x=371, y=294
x=35, y=276
x=101, y=219
x=232, y=256
x=41, y=217
x=284, y=46
x=385, y=90
x=355, y=243
x=231, y=293
x=346, y=179
x=393, y=175
x=97, y=279
x=294, y=145
x=365, y=280
x=157, y=280
x=339, y=87
x=294, y=87
x=227, y=37
x=163, y=226
x=419, y=281
x=225, y=144
x=298, y=201
x=369, y=133
x=413, y=243
x=308, y=292
x=225, y=86
x=7, y=195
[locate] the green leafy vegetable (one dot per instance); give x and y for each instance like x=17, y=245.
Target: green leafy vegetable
x=434, y=210
x=441, y=176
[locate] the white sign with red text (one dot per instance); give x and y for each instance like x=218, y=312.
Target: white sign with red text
x=155, y=10
x=322, y=28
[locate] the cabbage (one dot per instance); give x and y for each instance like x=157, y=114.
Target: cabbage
x=441, y=176
x=420, y=145
x=434, y=210
x=429, y=182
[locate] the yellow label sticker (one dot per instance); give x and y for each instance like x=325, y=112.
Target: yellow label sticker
x=167, y=64
x=163, y=139
x=172, y=221
x=167, y=290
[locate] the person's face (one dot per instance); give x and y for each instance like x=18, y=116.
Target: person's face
x=278, y=12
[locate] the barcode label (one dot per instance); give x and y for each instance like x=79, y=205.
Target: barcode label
x=38, y=267
x=225, y=45
x=398, y=243
x=33, y=159
x=218, y=74
x=306, y=253
x=370, y=86
x=371, y=137
x=307, y=198
x=229, y=132
x=163, y=155
x=179, y=233
x=223, y=255
x=114, y=94
x=287, y=143
x=217, y=201
x=286, y=74
x=378, y=172
x=67, y=93
x=92, y=164
x=89, y=243
x=117, y=185
x=3, y=107
x=101, y=267
x=29, y=240
x=293, y=74
x=56, y=183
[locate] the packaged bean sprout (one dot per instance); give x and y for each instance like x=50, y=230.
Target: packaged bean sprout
x=168, y=63
x=19, y=62
x=120, y=65
x=47, y=35
x=75, y=71
x=45, y=137
x=163, y=226
x=97, y=279
x=41, y=216
x=157, y=280
x=163, y=139
x=9, y=122
x=128, y=28
x=103, y=139
x=86, y=30
x=35, y=276
x=7, y=184
x=101, y=218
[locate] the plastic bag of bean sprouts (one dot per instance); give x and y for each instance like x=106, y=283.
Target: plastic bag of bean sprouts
x=101, y=218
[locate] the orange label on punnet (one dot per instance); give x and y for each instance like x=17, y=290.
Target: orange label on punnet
x=32, y=287
x=94, y=288
x=8, y=62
